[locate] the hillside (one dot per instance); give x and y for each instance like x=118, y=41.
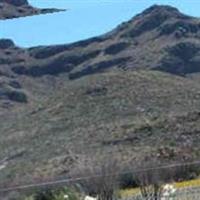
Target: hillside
x=10, y=9
x=170, y=44
x=128, y=114
x=128, y=93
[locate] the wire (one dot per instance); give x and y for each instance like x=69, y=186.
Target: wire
x=69, y=180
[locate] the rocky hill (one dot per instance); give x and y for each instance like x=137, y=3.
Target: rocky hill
x=170, y=44
x=129, y=93
x=160, y=38
x=10, y=9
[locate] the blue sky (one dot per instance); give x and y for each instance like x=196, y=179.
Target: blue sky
x=84, y=19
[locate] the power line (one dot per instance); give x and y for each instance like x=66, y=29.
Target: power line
x=70, y=180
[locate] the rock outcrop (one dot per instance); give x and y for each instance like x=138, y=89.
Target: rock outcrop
x=10, y=9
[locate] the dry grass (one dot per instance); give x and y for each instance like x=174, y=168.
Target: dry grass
x=179, y=185
x=129, y=114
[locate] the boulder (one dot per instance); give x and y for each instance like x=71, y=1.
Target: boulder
x=6, y=43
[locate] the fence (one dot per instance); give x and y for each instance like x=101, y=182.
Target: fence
x=189, y=190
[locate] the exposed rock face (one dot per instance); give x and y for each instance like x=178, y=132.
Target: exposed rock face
x=168, y=11
x=152, y=18
x=6, y=43
x=15, y=2
x=180, y=28
x=10, y=9
x=182, y=58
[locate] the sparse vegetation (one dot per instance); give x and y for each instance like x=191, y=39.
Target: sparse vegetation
x=100, y=178
x=62, y=193
x=64, y=105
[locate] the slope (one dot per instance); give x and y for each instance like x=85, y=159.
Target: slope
x=129, y=115
x=125, y=93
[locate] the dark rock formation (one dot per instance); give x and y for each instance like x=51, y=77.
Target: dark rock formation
x=15, y=2
x=183, y=58
x=6, y=43
x=10, y=9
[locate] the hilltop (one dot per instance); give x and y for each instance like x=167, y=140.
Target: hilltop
x=132, y=92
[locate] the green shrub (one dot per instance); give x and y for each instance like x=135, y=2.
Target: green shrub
x=17, y=96
x=54, y=194
x=127, y=180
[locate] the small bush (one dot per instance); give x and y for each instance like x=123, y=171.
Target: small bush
x=127, y=181
x=17, y=96
x=54, y=194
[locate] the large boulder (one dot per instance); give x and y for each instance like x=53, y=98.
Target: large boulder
x=6, y=43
